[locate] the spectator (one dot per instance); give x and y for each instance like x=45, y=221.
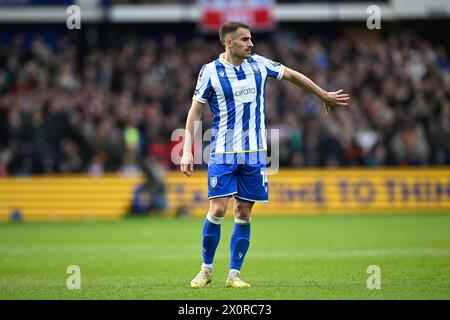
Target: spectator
x=104, y=108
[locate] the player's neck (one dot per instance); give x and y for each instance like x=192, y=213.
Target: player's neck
x=236, y=61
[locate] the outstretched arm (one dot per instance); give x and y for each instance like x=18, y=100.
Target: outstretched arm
x=187, y=160
x=330, y=99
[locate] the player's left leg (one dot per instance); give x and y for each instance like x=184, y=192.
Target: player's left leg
x=252, y=187
x=240, y=242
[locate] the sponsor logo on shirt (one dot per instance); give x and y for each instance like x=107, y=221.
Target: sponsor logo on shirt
x=245, y=92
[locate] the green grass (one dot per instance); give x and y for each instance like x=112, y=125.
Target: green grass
x=289, y=258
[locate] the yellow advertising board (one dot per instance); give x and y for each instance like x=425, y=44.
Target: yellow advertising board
x=337, y=191
x=291, y=192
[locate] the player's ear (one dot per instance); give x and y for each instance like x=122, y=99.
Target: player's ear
x=228, y=41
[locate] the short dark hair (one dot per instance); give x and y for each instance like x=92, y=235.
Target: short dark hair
x=230, y=27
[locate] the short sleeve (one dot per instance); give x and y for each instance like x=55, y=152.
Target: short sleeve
x=203, y=87
x=274, y=69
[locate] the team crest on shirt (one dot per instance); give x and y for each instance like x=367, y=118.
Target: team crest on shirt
x=254, y=66
x=213, y=182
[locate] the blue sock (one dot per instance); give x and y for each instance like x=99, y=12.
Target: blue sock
x=210, y=238
x=240, y=241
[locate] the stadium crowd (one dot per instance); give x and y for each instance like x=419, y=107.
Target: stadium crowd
x=113, y=108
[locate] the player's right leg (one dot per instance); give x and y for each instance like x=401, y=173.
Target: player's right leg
x=221, y=185
x=210, y=240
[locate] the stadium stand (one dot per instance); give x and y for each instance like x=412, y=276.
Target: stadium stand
x=67, y=106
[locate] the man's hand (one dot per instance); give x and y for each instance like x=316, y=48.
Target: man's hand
x=337, y=98
x=187, y=164
x=330, y=99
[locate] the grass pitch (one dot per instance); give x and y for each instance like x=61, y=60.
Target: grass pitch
x=289, y=258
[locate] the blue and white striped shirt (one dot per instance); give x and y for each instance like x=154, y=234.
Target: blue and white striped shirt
x=236, y=96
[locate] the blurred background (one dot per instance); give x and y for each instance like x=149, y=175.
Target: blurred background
x=87, y=115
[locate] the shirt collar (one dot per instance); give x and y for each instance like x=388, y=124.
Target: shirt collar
x=222, y=59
